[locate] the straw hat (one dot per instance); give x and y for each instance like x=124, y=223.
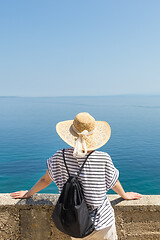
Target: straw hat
x=84, y=133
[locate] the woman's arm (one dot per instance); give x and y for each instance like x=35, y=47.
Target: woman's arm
x=42, y=183
x=126, y=195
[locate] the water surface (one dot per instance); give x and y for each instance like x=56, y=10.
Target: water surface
x=28, y=138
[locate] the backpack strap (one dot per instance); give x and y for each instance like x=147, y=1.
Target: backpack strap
x=81, y=166
x=65, y=163
x=84, y=163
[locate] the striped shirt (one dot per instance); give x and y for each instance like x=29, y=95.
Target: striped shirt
x=97, y=177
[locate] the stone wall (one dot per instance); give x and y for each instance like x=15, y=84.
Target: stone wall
x=30, y=219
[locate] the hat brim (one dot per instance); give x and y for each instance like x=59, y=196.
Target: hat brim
x=94, y=141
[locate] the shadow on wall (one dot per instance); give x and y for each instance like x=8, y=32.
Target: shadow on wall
x=116, y=201
x=31, y=201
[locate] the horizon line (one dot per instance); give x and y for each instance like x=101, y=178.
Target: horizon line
x=109, y=95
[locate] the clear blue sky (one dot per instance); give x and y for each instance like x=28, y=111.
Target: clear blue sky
x=85, y=47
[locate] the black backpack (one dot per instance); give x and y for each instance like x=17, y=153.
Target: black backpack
x=71, y=214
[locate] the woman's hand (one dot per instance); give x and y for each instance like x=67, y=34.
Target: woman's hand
x=19, y=194
x=132, y=195
x=125, y=195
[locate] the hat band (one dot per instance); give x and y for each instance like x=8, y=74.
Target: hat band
x=80, y=142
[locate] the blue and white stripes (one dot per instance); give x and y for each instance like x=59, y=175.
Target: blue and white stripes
x=97, y=177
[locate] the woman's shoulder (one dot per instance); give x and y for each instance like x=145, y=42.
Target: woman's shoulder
x=59, y=152
x=102, y=153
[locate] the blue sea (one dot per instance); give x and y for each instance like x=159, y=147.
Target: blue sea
x=28, y=138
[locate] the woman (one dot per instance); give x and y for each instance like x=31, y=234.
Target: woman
x=99, y=174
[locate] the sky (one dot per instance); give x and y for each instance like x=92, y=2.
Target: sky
x=79, y=48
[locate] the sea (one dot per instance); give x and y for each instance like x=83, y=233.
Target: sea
x=28, y=138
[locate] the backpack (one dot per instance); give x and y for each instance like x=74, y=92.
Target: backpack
x=71, y=214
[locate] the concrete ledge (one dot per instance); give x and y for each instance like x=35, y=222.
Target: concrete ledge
x=31, y=219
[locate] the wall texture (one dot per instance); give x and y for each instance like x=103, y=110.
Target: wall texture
x=31, y=219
